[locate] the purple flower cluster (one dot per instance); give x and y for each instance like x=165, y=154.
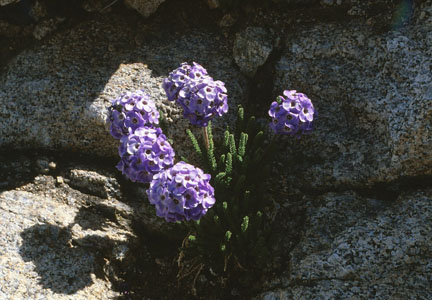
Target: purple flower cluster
x=132, y=111
x=144, y=153
x=180, y=193
x=293, y=116
x=201, y=97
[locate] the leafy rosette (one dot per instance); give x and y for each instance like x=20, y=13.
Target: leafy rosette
x=130, y=111
x=292, y=114
x=201, y=97
x=180, y=193
x=144, y=153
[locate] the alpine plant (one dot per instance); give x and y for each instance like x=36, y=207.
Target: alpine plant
x=234, y=230
x=201, y=97
x=143, y=153
x=181, y=193
x=130, y=111
x=292, y=114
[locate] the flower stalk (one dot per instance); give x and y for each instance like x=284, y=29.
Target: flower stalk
x=205, y=137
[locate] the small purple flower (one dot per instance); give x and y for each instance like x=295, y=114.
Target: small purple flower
x=130, y=111
x=293, y=116
x=144, y=153
x=201, y=97
x=180, y=193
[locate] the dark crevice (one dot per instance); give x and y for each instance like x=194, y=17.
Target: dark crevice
x=390, y=191
x=26, y=161
x=261, y=92
x=385, y=191
x=18, y=13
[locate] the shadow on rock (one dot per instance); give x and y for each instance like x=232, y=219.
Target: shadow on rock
x=85, y=217
x=62, y=268
x=16, y=169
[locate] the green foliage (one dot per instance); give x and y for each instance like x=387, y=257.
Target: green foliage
x=210, y=151
x=194, y=141
x=232, y=235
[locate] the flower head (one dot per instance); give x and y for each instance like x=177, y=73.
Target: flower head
x=130, y=111
x=201, y=97
x=144, y=153
x=293, y=115
x=180, y=193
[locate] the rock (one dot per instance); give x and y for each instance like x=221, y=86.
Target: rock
x=46, y=27
x=351, y=241
x=374, y=114
x=228, y=20
x=43, y=165
x=55, y=96
x=18, y=171
x=213, y=3
x=59, y=180
x=8, y=30
x=251, y=49
x=48, y=252
x=57, y=242
x=331, y=2
x=95, y=183
x=38, y=11
x=6, y=2
x=298, y=2
x=145, y=7
x=275, y=295
x=100, y=6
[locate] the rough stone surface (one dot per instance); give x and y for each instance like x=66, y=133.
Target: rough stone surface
x=145, y=7
x=373, y=94
x=55, y=96
x=100, y=6
x=228, y=20
x=50, y=245
x=298, y=2
x=213, y=3
x=6, y=2
x=101, y=185
x=45, y=27
x=58, y=241
x=251, y=49
x=352, y=241
x=38, y=11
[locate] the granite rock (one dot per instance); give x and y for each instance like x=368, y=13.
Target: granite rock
x=60, y=241
x=38, y=11
x=6, y=2
x=213, y=3
x=91, y=180
x=51, y=247
x=46, y=27
x=55, y=96
x=251, y=49
x=351, y=241
x=371, y=89
x=101, y=184
x=145, y=7
x=96, y=5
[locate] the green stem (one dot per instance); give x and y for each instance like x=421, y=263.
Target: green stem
x=205, y=136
